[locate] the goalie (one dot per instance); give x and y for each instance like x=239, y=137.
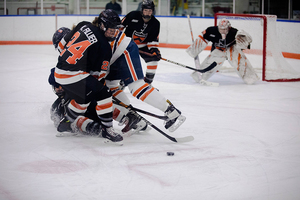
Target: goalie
x=228, y=43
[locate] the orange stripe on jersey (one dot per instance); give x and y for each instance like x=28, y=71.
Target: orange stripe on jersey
x=117, y=92
x=104, y=106
x=112, y=44
x=140, y=89
x=146, y=94
x=114, y=88
x=130, y=65
x=151, y=66
x=121, y=38
x=101, y=76
x=78, y=106
x=62, y=76
x=61, y=46
x=152, y=45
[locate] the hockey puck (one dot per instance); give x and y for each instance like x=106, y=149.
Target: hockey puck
x=170, y=153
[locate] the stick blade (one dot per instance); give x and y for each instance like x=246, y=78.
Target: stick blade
x=185, y=139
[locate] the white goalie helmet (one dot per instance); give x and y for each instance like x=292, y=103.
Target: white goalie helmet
x=224, y=26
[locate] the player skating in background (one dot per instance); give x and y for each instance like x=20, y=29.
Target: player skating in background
x=82, y=64
x=228, y=43
x=144, y=29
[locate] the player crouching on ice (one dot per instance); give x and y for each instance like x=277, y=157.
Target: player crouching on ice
x=125, y=65
x=228, y=43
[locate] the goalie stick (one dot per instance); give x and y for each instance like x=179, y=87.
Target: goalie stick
x=197, y=63
x=177, y=140
x=198, y=70
x=182, y=65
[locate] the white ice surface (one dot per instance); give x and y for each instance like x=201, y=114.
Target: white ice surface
x=246, y=146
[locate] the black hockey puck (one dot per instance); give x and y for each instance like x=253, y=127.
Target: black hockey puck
x=170, y=153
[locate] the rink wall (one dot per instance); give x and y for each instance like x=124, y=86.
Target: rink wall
x=174, y=31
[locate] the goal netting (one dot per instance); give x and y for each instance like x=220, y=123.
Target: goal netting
x=272, y=65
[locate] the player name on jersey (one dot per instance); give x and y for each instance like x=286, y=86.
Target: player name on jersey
x=89, y=34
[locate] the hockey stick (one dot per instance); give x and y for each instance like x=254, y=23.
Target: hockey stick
x=118, y=102
x=178, y=140
x=182, y=65
x=198, y=70
x=197, y=63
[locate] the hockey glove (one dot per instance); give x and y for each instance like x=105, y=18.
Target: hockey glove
x=155, y=53
x=243, y=39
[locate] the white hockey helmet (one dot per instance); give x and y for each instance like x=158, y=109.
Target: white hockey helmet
x=224, y=26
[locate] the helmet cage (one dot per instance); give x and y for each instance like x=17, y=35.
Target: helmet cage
x=224, y=26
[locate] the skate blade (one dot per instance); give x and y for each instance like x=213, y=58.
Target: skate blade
x=107, y=141
x=65, y=134
x=178, y=123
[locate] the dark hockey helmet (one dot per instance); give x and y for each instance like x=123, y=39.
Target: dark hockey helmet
x=148, y=4
x=110, y=19
x=59, y=34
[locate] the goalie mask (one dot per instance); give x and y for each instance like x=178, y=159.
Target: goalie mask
x=147, y=4
x=108, y=21
x=59, y=35
x=223, y=27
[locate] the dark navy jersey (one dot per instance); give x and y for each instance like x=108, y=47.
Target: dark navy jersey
x=87, y=50
x=142, y=33
x=213, y=35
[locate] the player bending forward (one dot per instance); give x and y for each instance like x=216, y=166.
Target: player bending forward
x=228, y=43
x=125, y=66
x=81, y=66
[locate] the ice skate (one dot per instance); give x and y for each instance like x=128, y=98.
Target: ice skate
x=175, y=118
x=111, y=136
x=94, y=129
x=66, y=126
x=133, y=123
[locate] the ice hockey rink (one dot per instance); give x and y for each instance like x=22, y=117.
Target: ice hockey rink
x=247, y=139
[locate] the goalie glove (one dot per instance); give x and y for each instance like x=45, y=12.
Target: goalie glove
x=243, y=39
x=197, y=47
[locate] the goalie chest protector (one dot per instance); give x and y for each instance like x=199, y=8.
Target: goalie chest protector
x=213, y=35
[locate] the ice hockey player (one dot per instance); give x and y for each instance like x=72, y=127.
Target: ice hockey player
x=143, y=28
x=81, y=66
x=57, y=108
x=126, y=66
x=228, y=43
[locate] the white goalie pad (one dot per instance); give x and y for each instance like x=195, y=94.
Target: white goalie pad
x=243, y=39
x=242, y=65
x=216, y=57
x=197, y=47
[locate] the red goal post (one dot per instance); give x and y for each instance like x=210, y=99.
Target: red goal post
x=274, y=67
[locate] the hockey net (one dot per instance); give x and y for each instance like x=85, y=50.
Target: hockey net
x=265, y=46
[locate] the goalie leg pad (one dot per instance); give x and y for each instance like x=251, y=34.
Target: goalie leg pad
x=241, y=64
x=217, y=58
